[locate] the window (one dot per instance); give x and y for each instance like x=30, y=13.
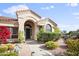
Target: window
x=48, y=28
x=14, y=32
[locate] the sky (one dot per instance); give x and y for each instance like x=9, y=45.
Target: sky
x=65, y=15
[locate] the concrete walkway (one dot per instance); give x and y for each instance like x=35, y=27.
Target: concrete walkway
x=36, y=50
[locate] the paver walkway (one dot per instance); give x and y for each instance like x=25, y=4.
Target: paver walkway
x=36, y=50
x=61, y=42
x=24, y=51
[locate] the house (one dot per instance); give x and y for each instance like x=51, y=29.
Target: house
x=27, y=22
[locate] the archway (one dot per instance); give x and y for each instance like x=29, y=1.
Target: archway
x=29, y=28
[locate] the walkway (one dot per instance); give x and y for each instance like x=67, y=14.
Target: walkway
x=32, y=47
x=36, y=50
x=24, y=51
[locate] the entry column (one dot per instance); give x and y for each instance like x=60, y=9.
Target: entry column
x=21, y=34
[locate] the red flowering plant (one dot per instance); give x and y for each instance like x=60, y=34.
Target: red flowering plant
x=4, y=34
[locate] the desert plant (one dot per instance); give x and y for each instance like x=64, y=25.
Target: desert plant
x=73, y=47
x=51, y=45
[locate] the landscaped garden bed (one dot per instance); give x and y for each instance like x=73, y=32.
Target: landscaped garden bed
x=8, y=50
x=5, y=48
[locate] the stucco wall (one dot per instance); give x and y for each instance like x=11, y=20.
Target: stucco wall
x=23, y=17
x=26, y=15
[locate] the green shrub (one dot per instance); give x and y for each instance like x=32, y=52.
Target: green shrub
x=9, y=54
x=56, y=29
x=21, y=37
x=51, y=45
x=47, y=36
x=71, y=53
x=3, y=49
x=73, y=47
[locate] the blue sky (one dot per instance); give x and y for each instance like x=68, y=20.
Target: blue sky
x=66, y=15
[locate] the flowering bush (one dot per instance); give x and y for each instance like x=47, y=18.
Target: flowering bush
x=4, y=34
x=7, y=50
x=10, y=46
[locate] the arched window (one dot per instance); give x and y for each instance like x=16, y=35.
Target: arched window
x=48, y=28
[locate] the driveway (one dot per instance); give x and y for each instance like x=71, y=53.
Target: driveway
x=36, y=50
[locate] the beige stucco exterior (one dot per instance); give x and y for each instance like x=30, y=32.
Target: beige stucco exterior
x=31, y=18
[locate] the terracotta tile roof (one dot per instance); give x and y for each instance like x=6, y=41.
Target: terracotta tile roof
x=7, y=18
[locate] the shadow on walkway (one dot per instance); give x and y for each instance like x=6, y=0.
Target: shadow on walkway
x=32, y=42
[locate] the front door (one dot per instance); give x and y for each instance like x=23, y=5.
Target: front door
x=28, y=36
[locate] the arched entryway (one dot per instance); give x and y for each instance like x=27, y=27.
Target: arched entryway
x=29, y=28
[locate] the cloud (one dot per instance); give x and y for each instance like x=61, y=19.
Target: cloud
x=68, y=27
x=72, y=4
x=77, y=17
x=47, y=7
x=11, y=10
x=51, y=6
x=76, y=13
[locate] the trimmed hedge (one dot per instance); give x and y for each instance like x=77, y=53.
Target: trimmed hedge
x=47, y=36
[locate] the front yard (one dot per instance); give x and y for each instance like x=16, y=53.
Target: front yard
x=58, y=51
x=39, y=49
x=17, y=49
x=8, y=50
x=34, y=48
x=47, y=44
